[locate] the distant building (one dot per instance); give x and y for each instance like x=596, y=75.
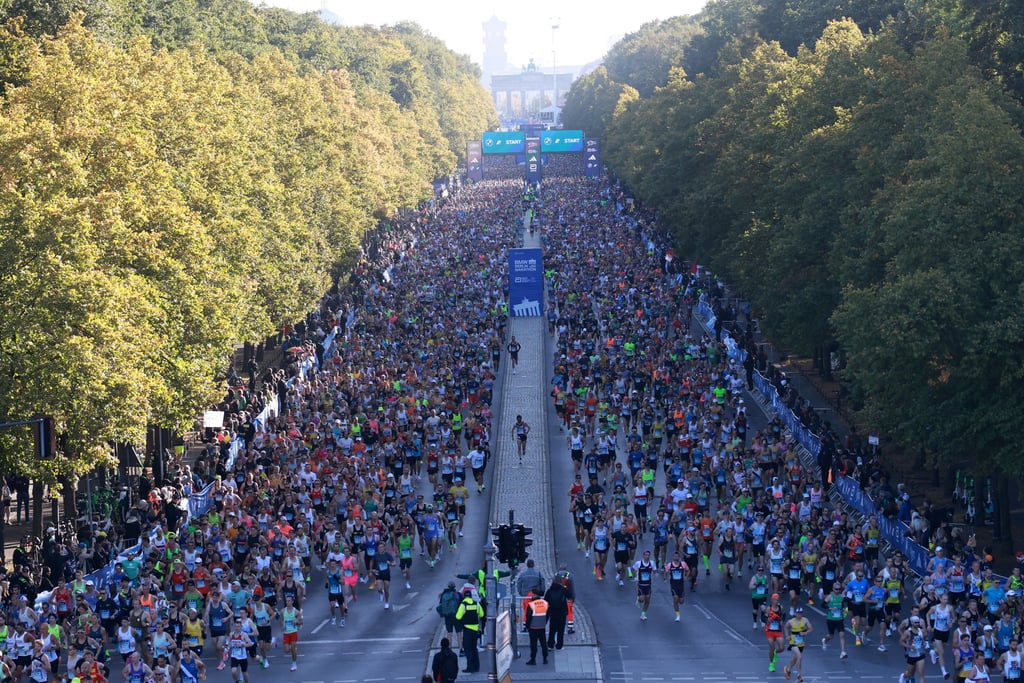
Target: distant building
x=528, y=93
x=525, y=92
x=495, y=56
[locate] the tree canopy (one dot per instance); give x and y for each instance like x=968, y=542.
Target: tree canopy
x=855, y=170
x=180, y=177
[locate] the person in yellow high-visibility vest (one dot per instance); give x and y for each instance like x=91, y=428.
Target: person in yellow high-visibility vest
x=470, y=616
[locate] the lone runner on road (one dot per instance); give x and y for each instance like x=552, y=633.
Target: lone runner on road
x=520, y=430
x=513, y=352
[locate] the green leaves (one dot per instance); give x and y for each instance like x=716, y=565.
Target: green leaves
x=862, y=188
x=158, y=207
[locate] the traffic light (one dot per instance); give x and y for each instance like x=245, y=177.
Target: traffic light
x=520, y=542
x=503, y=542
x=47, y=438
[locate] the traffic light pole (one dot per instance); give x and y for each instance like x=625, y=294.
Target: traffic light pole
x=491, y=618
x=513, y=586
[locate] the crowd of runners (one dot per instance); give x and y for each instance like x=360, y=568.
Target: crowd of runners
x=673, y=487
x=353, y=492
x=365, y=477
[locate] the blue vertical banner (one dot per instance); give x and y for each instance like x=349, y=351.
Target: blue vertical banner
x=525, y=282
x=591, y=158
x=533, y=160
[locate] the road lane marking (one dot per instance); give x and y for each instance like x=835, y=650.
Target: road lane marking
x=398, y=639
x=322, y=624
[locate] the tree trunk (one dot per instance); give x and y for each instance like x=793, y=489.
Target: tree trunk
x=1003, y=527
x=69, y=486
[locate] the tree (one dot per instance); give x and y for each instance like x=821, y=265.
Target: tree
x=643, y=59
x=594, y=101
x=934, y=341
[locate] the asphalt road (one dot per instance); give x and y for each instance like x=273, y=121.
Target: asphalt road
x=714, y=640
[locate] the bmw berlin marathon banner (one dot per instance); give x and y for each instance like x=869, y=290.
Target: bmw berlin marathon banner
x=525, y=282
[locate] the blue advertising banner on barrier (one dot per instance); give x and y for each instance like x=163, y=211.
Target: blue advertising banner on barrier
x=199, y=503
x=526, y=282
x=894, y=531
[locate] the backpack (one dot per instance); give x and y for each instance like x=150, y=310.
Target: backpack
x=449, y=604
x=557, y=599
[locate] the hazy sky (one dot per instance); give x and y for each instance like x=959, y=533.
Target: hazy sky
x=586, y=29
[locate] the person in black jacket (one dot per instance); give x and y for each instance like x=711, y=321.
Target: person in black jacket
x=445, y=664
x=558, y=611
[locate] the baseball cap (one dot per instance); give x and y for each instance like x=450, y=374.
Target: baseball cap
x=914, y=619
x=988, y=627
x=775, y=596
x=798, y=609
x=938, y=548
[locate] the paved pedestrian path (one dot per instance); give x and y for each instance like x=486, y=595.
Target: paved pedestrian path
x=526, y=488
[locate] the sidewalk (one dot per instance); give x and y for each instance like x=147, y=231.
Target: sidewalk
x=526, y=488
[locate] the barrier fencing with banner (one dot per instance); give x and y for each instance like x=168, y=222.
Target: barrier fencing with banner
x=895, y=532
